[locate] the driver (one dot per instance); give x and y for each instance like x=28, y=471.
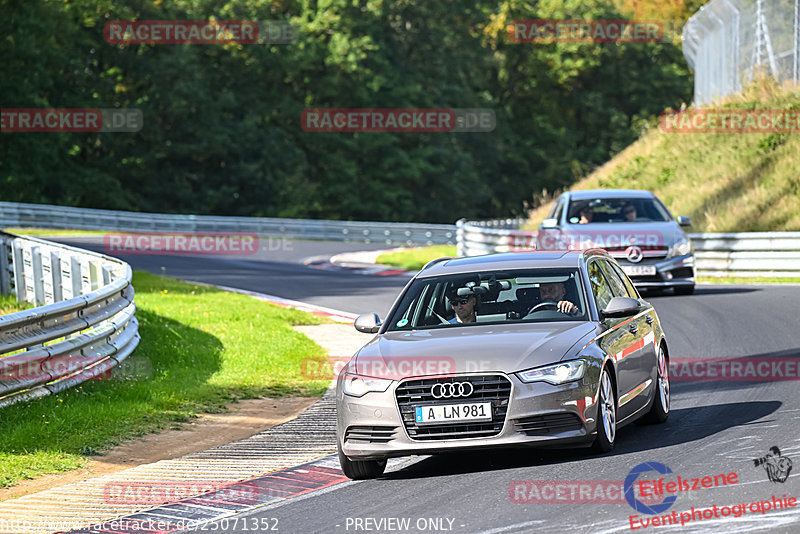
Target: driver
x=555, y=292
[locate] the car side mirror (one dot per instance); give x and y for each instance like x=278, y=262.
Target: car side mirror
x=683, y=220
x=549, y=223
x=621, y=307
x=369, y=323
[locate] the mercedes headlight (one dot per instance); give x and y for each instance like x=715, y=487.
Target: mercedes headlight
x=358, y=386
x=559, y=373
x=681, y=248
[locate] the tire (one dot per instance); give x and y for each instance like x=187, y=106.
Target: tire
x=684, y=290
x=606, y=415
x=659, y=411
x=360, y=469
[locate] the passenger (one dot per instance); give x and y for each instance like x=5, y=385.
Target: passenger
x=629, y=211
x=464, y=308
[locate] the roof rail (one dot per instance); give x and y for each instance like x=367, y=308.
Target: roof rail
x=437, y=260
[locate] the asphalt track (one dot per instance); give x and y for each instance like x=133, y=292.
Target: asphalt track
x=714, y=427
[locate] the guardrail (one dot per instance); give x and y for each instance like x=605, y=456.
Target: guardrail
x=14, y=214
x=746, y=254
x=83, y=323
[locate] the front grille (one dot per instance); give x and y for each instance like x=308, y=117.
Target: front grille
x=539, y=425
x=493, y=388
x=370, y=434
x=649, y=253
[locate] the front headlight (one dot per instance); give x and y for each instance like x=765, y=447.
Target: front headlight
x=358, y=386
x=559, y=373
x=681, y=248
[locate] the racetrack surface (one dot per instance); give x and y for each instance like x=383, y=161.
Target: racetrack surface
x=714, y=427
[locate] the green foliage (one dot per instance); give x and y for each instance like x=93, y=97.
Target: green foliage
x=222, y=122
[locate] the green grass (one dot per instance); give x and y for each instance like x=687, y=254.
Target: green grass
x=412, y=259
x=748, y=280
x=53, y=232
x=201, y=349
x=727, y=182
x=9, y=304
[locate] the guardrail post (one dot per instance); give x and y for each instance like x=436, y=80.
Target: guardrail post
x=48, y=288
x=85, y=277
x=35, y=287
x=5, y=273
x=19, y=271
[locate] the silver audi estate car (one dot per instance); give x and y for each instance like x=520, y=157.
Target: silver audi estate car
x=634, y=226
x=503, y=350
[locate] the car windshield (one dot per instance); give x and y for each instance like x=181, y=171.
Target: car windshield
x=616, y=210
x=494, y=297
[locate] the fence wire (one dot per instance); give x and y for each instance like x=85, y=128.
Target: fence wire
x=728, y=42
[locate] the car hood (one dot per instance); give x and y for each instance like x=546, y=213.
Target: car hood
x=507, y=348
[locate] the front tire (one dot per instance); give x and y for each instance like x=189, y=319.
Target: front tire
x=606, y=415
x=660, y=410
x=360, y=469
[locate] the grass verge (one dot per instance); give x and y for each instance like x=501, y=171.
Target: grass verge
x=413, y=259
x=9, y=304
x=747, y=280
x=53, y=232
x=201, y=349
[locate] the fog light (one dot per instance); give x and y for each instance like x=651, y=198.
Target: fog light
x=668, y=276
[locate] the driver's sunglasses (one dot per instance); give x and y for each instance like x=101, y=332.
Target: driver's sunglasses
x=629, y=210
x=455, y=302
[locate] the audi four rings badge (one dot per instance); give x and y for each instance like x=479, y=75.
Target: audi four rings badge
x=452, y=390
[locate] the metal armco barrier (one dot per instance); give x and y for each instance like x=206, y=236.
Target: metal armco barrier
x=82, y=325
x=46, y=216
x=774, y=254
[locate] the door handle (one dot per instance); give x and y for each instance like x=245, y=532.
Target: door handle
x=633, y=328
x=649, y=320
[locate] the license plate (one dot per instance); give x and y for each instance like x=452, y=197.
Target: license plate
x=639, y=270
x=447, y=413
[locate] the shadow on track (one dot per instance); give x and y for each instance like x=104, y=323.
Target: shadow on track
x=683, y=426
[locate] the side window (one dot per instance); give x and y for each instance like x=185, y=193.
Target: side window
x=627, y=281
x=555, y=213
x=617, y=285
x=600, y=288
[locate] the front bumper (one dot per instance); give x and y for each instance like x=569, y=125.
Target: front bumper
x=538, y=414
x=670, y=272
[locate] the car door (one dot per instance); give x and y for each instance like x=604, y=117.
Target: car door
x=647, y=327
x=616, y=340
x=635, y=357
